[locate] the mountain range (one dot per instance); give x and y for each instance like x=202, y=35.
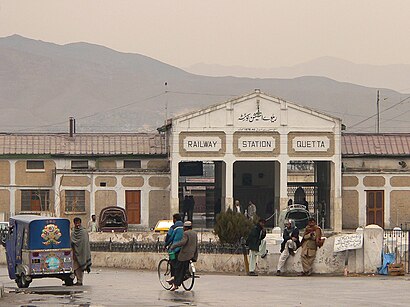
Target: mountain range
x=42, y=84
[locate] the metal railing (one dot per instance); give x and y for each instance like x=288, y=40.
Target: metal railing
x=158, y=247
x=396, y=241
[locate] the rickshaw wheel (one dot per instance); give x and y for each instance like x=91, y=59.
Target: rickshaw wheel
x=18, y=282
x=68, y=281
x=22, y=282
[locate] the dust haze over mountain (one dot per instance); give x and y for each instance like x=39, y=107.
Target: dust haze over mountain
x=42, y=84
x=395, y=77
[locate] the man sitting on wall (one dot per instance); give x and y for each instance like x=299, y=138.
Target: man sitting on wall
x=289, y=244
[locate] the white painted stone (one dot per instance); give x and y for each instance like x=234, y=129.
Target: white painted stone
x=373, y=244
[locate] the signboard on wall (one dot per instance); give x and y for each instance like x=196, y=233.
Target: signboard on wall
x=311, y=143
x=348, y=241
x=256, y=143
x=202, y=143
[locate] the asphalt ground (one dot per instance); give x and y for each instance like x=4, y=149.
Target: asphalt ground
x=120, y=287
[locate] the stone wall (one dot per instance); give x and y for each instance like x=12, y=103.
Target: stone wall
x=364, y=260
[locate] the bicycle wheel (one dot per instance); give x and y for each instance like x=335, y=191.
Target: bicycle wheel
x=164, y=272
x=189, y=279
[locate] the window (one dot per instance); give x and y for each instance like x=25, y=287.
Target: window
x=103, y=184
x=35, y=200
x=74, y=201
x=132, y=163
x=35, y=165
x=79, y=164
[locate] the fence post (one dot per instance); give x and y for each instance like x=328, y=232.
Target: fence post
x=245, y=255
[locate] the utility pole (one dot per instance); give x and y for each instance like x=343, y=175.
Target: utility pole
x=378, y=113
x=166, y=102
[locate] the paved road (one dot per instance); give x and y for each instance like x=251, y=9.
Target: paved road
x=117, y=287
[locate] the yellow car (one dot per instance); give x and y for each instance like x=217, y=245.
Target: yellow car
x=163, y=226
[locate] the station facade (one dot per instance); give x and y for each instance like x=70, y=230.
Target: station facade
x=254, y=148
x=254, y=143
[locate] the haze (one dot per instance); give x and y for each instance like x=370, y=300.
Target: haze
x=225, y=32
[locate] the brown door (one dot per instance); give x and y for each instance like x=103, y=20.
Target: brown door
x=133, y=206
x=35, y=203
x=375, y=208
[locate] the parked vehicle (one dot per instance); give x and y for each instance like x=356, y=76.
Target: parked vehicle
x=38, y=247
x=296, y=212
x=163, y=226
x=113, y=219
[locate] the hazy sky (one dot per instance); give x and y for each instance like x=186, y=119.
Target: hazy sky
x=254, y=33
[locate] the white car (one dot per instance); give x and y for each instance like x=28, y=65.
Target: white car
x=4, y=225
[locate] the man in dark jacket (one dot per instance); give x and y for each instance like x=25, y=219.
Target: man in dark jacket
x=289, y=244
x=257, y=245
x=189, y=251
x=174, y=235
x=80, y=244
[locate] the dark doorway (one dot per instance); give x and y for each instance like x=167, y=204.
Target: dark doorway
x=255, y=181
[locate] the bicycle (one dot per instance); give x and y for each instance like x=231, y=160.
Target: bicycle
x=164, y=272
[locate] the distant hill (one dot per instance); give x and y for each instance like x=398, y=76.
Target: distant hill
x=42, y=84
x=396, y=77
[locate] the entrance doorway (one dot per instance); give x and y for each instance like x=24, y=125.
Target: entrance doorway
x=375, y=208
x=309, y=184
x=255, y=181
x=133, y=206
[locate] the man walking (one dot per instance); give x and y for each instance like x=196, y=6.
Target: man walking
x=310, y=242
x=251, y=211
x=92, y=224
x=189, y=251
x=174, y=235
x=289, y=245
x=257, y=245
x=80, y=244
x=185, y=208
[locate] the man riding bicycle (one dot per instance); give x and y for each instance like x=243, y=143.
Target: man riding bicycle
x=174, y=235
x=189, y=251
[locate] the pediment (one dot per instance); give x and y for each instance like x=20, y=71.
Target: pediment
x=253, y=112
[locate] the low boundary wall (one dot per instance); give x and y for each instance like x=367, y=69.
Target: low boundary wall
x=363, y=260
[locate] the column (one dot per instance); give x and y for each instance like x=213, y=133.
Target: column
x=228, y=178
x=12, y=187
x=283, y=184
x=174, y=200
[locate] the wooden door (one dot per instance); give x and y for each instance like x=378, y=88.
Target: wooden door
x=375, y=208
x=35, y=202
x=133, y=206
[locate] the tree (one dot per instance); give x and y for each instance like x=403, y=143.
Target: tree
x=230, y=227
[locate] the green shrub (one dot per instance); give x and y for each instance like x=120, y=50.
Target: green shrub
x=231, y=226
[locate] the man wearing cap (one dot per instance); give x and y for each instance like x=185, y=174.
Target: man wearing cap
x=189, y=251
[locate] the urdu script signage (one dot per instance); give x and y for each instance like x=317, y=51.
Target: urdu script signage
x=348, y=241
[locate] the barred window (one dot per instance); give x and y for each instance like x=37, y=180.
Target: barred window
x=79, y=164
x=35, y=200
x=35, y=164
x=132, y=163
x=74, y=201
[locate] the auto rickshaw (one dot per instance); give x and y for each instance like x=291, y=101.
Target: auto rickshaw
x=38, y=247
x=296, y=212
x=113, y=219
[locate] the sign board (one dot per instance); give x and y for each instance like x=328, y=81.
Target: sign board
x=206, y=143
x=348, y=241
x=320, y=143
x=256, y=143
